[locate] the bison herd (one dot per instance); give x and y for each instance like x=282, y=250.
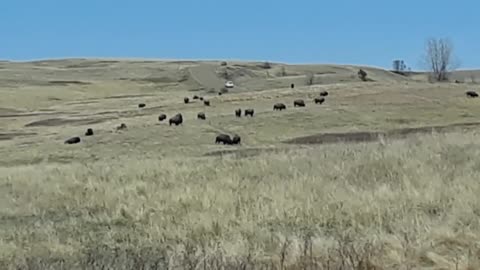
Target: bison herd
x=225, y=138
x=221, y=138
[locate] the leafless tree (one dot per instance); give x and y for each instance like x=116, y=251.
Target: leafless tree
x=310, y=78
x=439, y=58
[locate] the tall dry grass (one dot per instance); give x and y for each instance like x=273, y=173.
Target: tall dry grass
x=410, y=204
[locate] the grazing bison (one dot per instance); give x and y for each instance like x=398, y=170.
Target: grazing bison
x=471, y=94
x=201, y=115
x=299, y=103
x=89, y=132
x=236, y=139
x=238, y=112
x=162, y=117
x=206, y=102
x=279, y=107
x=186, y=100
x=323, y=93
x=249, y=112
x=122, y=126
x=177, y=119
x=201, y=98
x=195, y=97
x=292, y=85
x=223, y=138
x=141, y=105
x=319, y=100
x=73, y=140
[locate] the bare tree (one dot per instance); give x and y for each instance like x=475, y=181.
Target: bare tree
x=439, y=58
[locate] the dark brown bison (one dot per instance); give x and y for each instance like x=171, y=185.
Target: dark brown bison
x=162, y=117
x=176, y=120
x=249, y=112
x=89, y=132
x=292, y=85
x=141, y=105
x=201, y=115
x=206, y=102
x=319, y=100
x=122, y=126
x=219, y=93
x=195, y=97
x=323, y=93
x=223, y=138
x=299, y=103
x=238, y=112
x=201, y=98
x=279, y=107
x=236, y=139
x=73, y=140
x=471, y=94
x=186, y=100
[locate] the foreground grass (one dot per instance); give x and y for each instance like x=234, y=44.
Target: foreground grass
x=397, y=205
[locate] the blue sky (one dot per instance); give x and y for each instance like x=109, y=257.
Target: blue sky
x=370, y=32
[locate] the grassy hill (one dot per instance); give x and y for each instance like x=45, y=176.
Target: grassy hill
x=296, y=194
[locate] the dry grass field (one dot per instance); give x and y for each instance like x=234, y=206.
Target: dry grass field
x=296, y=194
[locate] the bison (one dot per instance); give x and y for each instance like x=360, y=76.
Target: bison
x=323, y=93
x=206, y=102
x=141, y=105
x=73, y=140
x=238, y=112
x=223, y=138
x=279, y=107
x=195, y=97
x=201, y=115
x=236, y=139
x=186, y=100
x=177, y=119
x=162, y=117
x=249, y=112
x=319, y=100
x=219, y=93
x=292, y=85
x=89, y=132
x=471, y=94
x=299, y=103
x=201, y=98
x=122, y=126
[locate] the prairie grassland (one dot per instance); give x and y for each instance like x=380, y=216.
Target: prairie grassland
x=407, y=204
x=162, y=197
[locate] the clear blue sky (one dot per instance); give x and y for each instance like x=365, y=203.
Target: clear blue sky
x=370, y=32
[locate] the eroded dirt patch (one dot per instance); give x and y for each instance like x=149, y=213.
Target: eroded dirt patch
x=370, y=136
x=10, y=136
x=53, y=122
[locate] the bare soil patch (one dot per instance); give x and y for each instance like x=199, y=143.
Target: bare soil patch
x=370, y=136
x=10, y=136
x=62, y=122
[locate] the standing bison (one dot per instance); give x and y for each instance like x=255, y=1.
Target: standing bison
x=279, y=107
x=162, y=117
x=249, y=112
x=195, y=97
x=122, y=126
x=236, y=139
x=471, y=94
x=223, y=138
x=238, y=112
x=141, y=105
x=201, y=116
x=89, y=132
x=206, y=102
x=186, y=100
x=299, y=103
x=323, y=93
x=292, y=86
x=176, y=120
x=319, y=100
